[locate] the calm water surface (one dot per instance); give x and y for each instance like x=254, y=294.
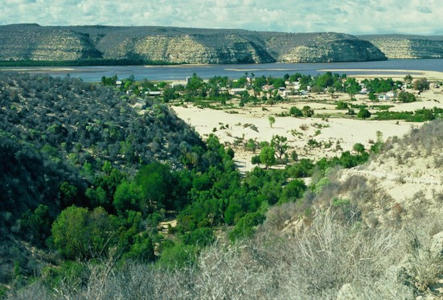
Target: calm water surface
x=180, y=72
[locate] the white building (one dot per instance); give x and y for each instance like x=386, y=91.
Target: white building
x=237, y=91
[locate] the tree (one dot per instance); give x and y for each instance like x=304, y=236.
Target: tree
x=352, y=87
x=408, y=79
x=156, y=182
x=37, y=225
x=331, y=91
x=364, y=113
x=128, y=196
x=421, y=84
x=255, y=160
x=294, y=155
x=372, y=96
x=195, y=84
x=271, y=120
x=280, y=145
x=267, y=156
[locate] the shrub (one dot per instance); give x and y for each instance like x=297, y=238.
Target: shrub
x=295, y=112
x=364, y=113
x=245, y=226
x=78, y=233
x=301, y=169
x=293, y=191
x=307, y=111
x=341, y=105
x=200, y=237
x=142, y=249
x=255, y=160
x=178, y=256
x=37, y=225
x=406, y=97
x=359, y=148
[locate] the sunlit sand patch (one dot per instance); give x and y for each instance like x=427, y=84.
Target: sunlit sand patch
x=259, y=70
x=177, y=66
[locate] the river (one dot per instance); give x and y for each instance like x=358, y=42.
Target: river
x=180, y=72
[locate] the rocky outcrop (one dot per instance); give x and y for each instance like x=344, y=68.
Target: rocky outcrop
x=404, y=46
x=178, y=45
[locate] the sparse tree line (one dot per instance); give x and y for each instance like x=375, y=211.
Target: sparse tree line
x=265, y=89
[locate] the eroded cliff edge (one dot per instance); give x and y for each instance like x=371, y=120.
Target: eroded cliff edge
x=31, y=42
x=408, y=46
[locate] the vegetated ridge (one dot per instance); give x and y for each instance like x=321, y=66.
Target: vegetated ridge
x=28, y=43
x=63, y=130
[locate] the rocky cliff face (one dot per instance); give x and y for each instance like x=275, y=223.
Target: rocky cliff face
x=189, y=49
x=404, y=46
x=322, y=47
x=33, y=42
x=179, y=45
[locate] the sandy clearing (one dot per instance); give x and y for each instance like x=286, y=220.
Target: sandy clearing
x=346, y=132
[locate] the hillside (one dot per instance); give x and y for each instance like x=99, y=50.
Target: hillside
x=407, y=46
x=27, y=42
x=349, y=238
x=54, y=129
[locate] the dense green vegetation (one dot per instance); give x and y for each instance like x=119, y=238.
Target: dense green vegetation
x=420, y=115
x=380, y=85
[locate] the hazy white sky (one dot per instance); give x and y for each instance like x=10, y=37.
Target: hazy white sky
x=351, y=16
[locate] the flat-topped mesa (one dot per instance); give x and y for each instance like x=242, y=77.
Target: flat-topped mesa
x=178, y=45
x=408, y=46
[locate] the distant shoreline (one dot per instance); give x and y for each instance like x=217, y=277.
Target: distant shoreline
x=84, y=63
x=130, y=62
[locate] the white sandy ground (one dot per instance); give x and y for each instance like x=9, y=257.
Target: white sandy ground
x=340, y=130
x=346, y=131
x=412, y=181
